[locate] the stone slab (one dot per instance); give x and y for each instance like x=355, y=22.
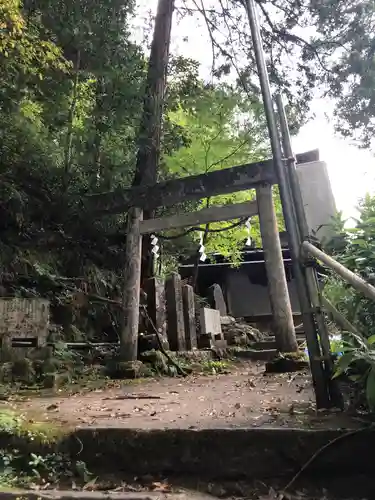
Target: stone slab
x=210, y=321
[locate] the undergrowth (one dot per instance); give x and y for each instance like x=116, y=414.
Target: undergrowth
x=45, y=465
x=355, y=248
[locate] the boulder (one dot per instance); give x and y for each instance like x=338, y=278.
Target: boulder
x=239, y=333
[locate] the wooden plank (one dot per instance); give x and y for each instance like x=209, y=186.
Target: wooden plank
x=204, y=216
x=169, y=193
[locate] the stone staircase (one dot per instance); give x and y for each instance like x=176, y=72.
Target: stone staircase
x=265, y=350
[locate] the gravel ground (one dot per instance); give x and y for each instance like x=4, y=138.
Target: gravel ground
x=245, y=397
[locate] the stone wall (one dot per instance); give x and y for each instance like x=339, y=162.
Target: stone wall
x=318, y=198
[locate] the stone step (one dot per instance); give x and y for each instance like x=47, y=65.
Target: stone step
x=256, y=354
x=270, y=339
x=254, y=453
x=101, y=495
x=264, y=345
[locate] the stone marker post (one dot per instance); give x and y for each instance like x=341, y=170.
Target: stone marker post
x=211, y=332
x=175, y=313
x=156, y=307
x=217, y=299
x=189, y=317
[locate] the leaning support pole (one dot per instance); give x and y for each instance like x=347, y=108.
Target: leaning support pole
x=317, y=370
x=353, y=279
x=277, y=284
x=339, y=318
x=309, y=272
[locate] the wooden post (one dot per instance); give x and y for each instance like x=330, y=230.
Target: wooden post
x=277, y=285
x=132, y=287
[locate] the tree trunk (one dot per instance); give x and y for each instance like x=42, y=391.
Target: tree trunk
x=72, y=109
x=146, y=170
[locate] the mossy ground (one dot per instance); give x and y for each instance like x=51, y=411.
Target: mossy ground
x=28, y=451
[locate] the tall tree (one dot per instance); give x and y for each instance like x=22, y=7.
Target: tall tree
x=147, y=164
x=312, y=46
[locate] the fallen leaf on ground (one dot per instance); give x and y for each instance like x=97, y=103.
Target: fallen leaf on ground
x=52, y=407
x=272, y=495
x=160, y=486
x=91, y=485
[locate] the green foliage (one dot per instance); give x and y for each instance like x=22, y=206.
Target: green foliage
x=359, y=357
x=223, y=128
x=354, y=248
x=71, y=92
x=215, y=367
x=25, y=57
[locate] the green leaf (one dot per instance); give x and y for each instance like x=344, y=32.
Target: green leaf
x=370, y=389
x=344, y=362
x=371, y=340
x=360, y=242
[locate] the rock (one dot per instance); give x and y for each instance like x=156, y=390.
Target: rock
x=6, y=376
x=240, y=333
x=117, y=369
x=157, y=360
x=50, y=381
x=56, y=380
x=286, y=365
x=227, y=320
x=150, y=342
x=23, y=371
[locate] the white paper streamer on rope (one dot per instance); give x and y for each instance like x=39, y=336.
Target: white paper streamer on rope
x=248, y=225
x=201, y=250
x=155, y=247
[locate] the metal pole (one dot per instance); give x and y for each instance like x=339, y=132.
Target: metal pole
x=310, y=274
x=317, y=371
x=292, y=171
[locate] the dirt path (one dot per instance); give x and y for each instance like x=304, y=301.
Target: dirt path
x=243, y=398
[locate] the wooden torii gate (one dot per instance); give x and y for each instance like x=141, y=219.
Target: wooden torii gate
x=258, y=175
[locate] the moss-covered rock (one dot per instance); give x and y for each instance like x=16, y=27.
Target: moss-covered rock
x=6, y=376
x=56, y=380
x=23, y=371
x=156, y=360
x=288, y=362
